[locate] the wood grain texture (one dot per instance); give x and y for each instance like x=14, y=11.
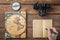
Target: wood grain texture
x=30, y=18
x=30, y=1
x=53, y=13
x=2, y=31
x=2, y=21
x=54, y=10
x=55, y=19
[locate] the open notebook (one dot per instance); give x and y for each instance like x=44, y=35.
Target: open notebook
x=39, y=28
x=15, y=24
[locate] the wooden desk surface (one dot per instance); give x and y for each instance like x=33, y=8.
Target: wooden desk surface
x=53, y=13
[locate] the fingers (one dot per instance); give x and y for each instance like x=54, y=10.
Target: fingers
x=49, y=32
x=52, y=31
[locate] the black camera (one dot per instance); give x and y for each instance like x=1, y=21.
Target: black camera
x=42, y=8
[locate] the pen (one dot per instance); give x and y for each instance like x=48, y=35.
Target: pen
x=52, y=31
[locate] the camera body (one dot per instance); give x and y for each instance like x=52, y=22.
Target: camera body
x=42, y=8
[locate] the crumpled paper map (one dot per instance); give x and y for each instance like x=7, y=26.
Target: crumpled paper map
x=15, y=24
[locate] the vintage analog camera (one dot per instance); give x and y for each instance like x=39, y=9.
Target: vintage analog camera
x=41, y=7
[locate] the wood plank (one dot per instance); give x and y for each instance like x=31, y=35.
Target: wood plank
x=2, y=32
x=2, y=21
x=30, y=1
x=16, y=39
x=30, y=10
x=55, y=10
x=2, y=39
x=21, y=1
x=55, y=19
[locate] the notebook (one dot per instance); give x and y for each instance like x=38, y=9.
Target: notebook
x=40, y=26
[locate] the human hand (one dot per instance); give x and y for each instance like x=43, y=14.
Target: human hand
x=52, y=33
